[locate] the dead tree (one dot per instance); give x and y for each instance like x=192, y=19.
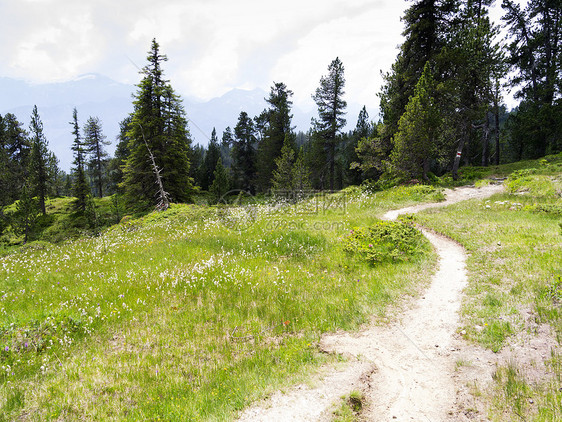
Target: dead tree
x=163, y=196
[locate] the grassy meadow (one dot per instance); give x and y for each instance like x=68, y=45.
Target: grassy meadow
x=196, y=312
x=193, y=313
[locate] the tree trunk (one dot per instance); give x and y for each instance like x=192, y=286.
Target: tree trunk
x=425, y=169
x=42, y=195
x=497, y=134
x=26, y=233
x=460, y=148
x=332, y=163
x=485, y=142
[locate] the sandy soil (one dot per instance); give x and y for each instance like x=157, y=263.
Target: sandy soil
x=407, y=370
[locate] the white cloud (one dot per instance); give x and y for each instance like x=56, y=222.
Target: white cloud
x=212, y=45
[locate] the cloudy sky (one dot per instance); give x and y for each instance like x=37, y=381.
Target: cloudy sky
x=212, y=45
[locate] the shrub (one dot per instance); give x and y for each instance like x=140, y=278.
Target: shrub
x=384, y=241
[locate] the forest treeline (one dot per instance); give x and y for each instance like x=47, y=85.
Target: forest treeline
x=441, y=108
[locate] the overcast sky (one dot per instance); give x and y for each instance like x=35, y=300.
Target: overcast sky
x=212, y=45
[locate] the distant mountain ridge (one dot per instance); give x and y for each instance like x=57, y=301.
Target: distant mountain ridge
x=111, y=101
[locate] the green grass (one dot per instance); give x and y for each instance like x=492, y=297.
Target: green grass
x=350, y=407
x=175, y=317
x=514, y=242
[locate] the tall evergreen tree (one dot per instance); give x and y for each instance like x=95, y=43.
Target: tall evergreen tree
x=300, y=181
x=472, y=57
x=196, y=159
x=244, y=154
x=535, y=54
x=39, y=160
x=415, y=142
x=26, y=214
x=221, y=182
x=5, y=178
x=364, y=129
x=117, y=163
x=80, y=187
x=227, y=141
x=277, y=129
x=56, y=176
x=158, y=124
x=331, y=111
x=94, y=140
x=456, y=39
x=14, y=153
x=212, y=156
x=427, y=23
x=283, y=172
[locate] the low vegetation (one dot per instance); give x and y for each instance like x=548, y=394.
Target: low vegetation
x=175, y=316
x=350, y=407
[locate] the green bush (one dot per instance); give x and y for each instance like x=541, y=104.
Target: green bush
x=469, y=173
x=385, y=241
x=534, y=185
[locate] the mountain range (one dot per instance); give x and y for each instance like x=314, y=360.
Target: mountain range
x=111, y=101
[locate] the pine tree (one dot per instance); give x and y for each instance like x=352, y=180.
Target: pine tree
x=372, y=154
x=56, y=176
x=535, y=54
x=227, y=141
x=300, y=180
x=283, y=173
x=415, y=142
x=5, y=178
x=457, y=40
x=26, y=214
x=331, y=109
x=91, y=214
x=116, y=164
x=221, y=182
x=16, y=149
x=363, y=130
x=427, y=24
x=243, y=153
x=276, y=130
x=473, y=59
x=212, y=156
x=158, y=124
x=80, y=187
x=39, y=160
x=196, y=158
x=94, y=140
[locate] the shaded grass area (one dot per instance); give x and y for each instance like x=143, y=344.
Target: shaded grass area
x=548, y=165
x=176, y=317
x=61, y=223
x=514, y=241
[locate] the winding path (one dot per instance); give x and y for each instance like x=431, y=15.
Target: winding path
x=405, y=369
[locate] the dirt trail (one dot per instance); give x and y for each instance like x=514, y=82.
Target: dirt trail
x=406, y=370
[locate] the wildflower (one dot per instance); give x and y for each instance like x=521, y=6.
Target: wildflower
x=7, y=349
x=285, y=323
